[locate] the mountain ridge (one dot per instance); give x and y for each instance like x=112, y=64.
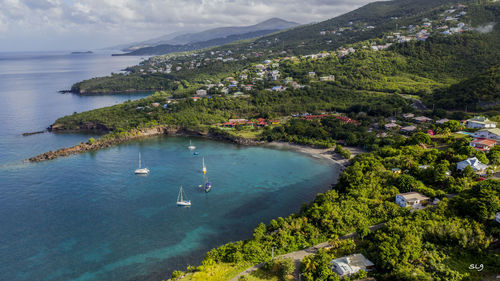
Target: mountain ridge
x=181, y=38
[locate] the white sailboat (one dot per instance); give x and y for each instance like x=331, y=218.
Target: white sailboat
x=204, y=167
x=180, y=199
x=191, y=146
x=141, y=171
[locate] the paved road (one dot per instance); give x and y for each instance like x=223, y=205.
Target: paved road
x=298, y=256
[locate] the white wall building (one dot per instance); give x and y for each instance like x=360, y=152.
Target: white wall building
x=480, y=122
x=411, y=199
x=350, y=265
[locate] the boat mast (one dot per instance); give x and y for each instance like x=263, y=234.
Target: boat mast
x=139, y=160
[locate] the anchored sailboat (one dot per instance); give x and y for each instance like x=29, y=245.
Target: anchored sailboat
x=141, y=171
x=191, y=146
x=208, y=186
x=204, y=167
x=180, y=199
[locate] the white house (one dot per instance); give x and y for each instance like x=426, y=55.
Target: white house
x=349, y=265
x=201, y=92
x=442, y=121
x=488, y=134
x=480, y=122
x=476, y=165
x=327, y=78
x=422, y=119
x=409, y=129
x=411, y=199
x=389, y=126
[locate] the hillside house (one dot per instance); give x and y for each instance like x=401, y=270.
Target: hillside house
x=327, y=78
x=411, y=199
x=488, y=133
x=442, y=121
x=422, y=119
x=396, y=170
x=409, y=129
x=476, y=165
x=483, y=144
x=349, y=265
x=278, y=88
x=408, y=115
x=480, y=122
x=201, y=93
x=390, y=126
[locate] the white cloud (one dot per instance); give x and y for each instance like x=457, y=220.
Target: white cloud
x=118, y=21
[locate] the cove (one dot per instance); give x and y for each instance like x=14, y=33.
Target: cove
x=88, y=217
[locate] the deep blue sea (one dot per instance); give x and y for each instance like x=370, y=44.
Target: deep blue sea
x=88, y=217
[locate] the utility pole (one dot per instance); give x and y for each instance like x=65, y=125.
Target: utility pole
x=272, y=253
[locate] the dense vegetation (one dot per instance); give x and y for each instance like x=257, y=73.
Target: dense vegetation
x=123, y=83
x=191, y=114
x=479, y=92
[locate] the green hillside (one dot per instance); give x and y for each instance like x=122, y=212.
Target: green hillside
x=479, y=92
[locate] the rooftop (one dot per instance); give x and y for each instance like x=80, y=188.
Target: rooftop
x=412, y=196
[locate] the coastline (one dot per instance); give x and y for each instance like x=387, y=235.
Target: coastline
x=320, y=153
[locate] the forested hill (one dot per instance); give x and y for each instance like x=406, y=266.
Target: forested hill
x=477, y=93
x=383, y=16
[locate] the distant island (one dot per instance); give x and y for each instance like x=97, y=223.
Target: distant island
x=82, y=53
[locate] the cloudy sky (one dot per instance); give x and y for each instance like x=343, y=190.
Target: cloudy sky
x=89, y=24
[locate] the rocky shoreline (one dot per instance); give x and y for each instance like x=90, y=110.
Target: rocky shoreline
x=133, y=135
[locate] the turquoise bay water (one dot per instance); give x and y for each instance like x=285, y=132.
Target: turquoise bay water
x=88, y=217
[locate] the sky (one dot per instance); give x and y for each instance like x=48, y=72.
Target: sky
x=36, y=25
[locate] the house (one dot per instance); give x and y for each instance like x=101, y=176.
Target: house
x=480, y=122
x=408, y=115
x=278, y=88
x=409, y=129
x=483, y=144
x=411, y=199
x=476, y=165
x=312, y=74
x=396, y=170
x=327, y=78
x=442, y=121
x=155, y=104
x=201, y=93
x=488, y=133
x=422, y=119
x=196, y=98
x=349, y=265
x=389, y=126
x=260, y=67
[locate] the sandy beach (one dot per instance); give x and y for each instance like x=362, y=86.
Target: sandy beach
x=324, y=153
